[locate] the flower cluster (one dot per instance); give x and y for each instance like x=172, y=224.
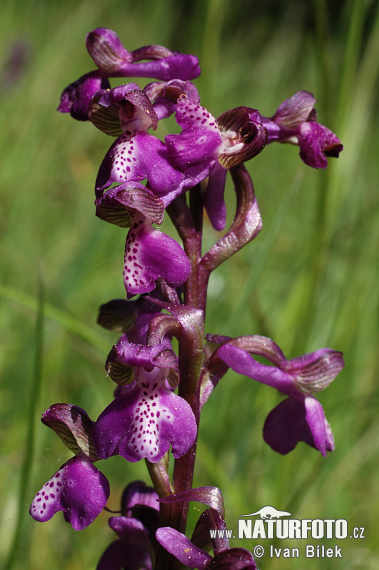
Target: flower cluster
x=162, y=365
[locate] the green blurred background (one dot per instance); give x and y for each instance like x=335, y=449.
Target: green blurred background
x=308, y=280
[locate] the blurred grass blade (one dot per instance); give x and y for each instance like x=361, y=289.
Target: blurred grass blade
x=256, y=269
x=67, y=321
x=21, y=540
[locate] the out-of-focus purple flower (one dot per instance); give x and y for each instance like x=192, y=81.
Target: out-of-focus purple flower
x=111, y=57
x=78, y=488
x=76, y=97
x=135, y=526
x=148, y=416
x=209, y=147
x=191, y=554
x=295, y=122
x=300, y=417
x=124, y=316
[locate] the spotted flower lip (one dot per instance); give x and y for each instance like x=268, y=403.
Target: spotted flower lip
x=150, y=254
x=143, y=422
x=295, y=122
x=148, y=416
x=78, y=489
x=137, y=158
x=300, y=417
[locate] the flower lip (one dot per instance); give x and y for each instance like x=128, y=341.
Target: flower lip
x=145, y=421
x=78, y=489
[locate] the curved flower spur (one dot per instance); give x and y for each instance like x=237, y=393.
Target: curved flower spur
x=163, y=367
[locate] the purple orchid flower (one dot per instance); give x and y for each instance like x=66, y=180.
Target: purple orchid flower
x=209, y=147
x=147, y=417
x=300, y=417
x=138, y=522
x=135, y=156
x=127, y=112
x=78, y=488
x=149, y=253
x=295, y=122
x=114, y=60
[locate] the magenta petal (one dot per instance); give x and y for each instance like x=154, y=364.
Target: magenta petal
x=78, y=489
x=240, y=361
x=295, y=110
x=176, y=66
x=106, y=49
x=214, y=197
x=322, y=437
x=285, y=426
x=76, y=97
x=233, y=559
x=128, y=529
x=199, y=141
x=293, y=421
x=150, y=254
x=138, y=493
x=316, y=143
x=136, y=158
x=182, y=548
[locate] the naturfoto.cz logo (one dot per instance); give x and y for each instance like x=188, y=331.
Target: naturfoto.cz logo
x=270, y=523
